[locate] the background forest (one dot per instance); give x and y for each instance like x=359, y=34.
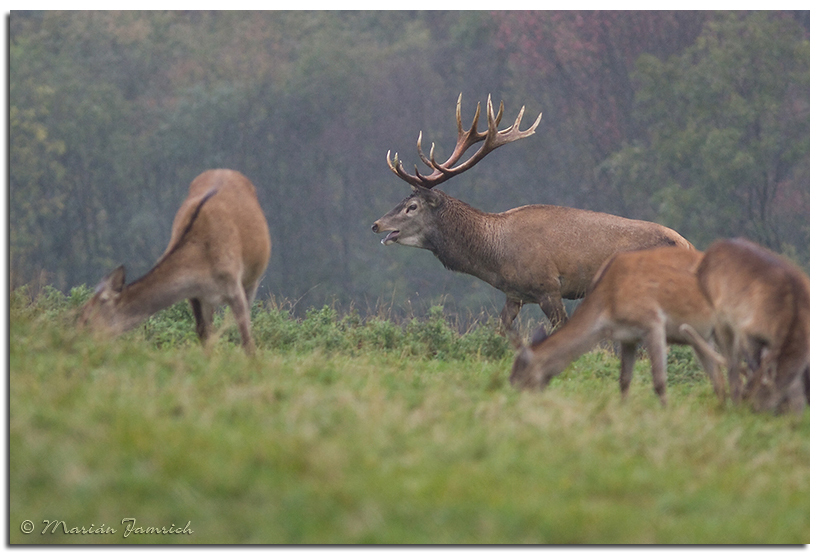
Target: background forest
x=696, y=120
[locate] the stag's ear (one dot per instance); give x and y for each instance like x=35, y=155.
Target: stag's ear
x=430, y=197
x=113, y=282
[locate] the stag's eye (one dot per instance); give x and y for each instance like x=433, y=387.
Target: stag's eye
x=411, y=208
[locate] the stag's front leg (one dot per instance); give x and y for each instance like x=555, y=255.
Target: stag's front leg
x=553, y=308
x=511, y=308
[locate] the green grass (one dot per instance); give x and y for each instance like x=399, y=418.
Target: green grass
x=348, y=429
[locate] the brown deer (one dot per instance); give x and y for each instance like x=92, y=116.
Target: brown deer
x=761, y=304
x=218, y=250
x=640, y=296
x=533, y=254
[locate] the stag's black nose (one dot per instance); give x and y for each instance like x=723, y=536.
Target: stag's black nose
x=375, y=227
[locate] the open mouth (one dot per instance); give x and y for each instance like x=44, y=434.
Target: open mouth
x=391, y=237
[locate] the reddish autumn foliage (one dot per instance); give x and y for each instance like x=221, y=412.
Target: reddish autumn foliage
x=588, y=55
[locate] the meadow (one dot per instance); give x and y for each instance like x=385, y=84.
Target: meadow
x=351, y=429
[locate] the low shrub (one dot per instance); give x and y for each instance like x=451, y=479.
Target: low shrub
x=276, y=328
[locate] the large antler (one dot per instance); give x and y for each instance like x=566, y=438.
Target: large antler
x=492, y=138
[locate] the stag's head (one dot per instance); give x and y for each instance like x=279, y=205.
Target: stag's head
x=410, y=220
x=100, y=313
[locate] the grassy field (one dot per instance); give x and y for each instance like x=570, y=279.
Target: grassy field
x=348, y=429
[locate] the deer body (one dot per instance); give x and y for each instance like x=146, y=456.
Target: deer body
x=219, y=249
x=643, y=296
x=534, y=254
x=761, y=304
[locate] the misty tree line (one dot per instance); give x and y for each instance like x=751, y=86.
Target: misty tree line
x=696, y=120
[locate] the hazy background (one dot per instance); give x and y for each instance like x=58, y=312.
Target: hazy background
x=696, y=120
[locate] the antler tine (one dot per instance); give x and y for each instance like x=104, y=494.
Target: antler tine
x=417, y=180
x=491, y=122
x=396, y=167
x=513, y=133
x=492, y=119
x=421, y=153
x=474, y=127
x=518, y=119
x=458, y=114
x=428, y=181
x=531, y=130
x=465, y=140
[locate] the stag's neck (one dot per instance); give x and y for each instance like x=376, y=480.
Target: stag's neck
x=467, y=240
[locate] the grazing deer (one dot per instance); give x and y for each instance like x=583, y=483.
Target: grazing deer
x=640, y=296
x=218, y=250
x=761, y=304
x=533, y=254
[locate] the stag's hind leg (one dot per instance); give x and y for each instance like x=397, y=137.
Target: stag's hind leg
x=511, y=308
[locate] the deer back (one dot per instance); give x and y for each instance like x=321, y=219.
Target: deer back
x=569, y=245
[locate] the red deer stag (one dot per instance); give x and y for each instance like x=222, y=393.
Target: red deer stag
x=761, y=304
x=218, y=250
x=641, y=296
x=533, y=254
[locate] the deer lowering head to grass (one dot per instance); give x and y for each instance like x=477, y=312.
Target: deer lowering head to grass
x=761, y=304
x=641, y=296
x=218, y=250
x=534, y=254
